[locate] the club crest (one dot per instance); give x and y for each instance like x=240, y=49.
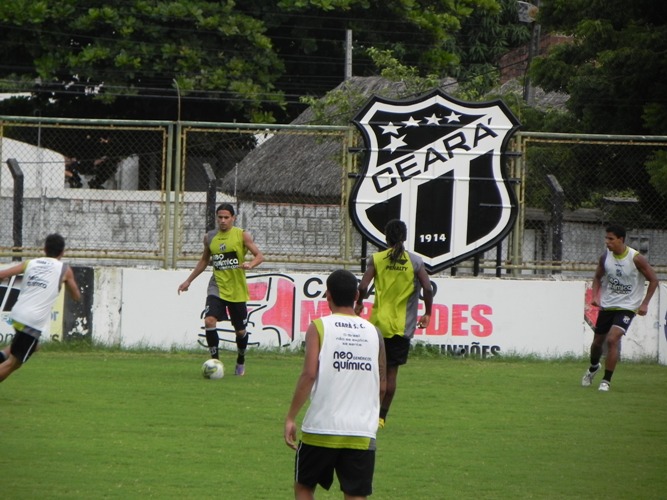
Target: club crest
x=438, y=164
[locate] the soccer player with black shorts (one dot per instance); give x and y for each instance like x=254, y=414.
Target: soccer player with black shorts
x=344, y=373
x=225, y=249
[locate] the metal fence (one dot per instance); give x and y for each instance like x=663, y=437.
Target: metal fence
x=572, y=186
x=141, y=193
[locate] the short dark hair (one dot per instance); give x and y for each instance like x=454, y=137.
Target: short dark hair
x=617, y=230
x=342, y=286
x=54, y=245
x=225, y=206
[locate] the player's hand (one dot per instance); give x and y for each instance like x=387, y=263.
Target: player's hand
x=290, y=434
x=183, y=287
x=424, y=321
x=358, y=308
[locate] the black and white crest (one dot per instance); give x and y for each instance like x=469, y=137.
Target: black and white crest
x=437, y=164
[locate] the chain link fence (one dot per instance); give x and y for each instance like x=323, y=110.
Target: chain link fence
x=572, y=187
x=144, y=193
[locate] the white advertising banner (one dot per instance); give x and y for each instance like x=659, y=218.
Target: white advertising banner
x=484, y=317
x=662, y=325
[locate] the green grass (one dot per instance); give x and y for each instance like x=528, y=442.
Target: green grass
x=84, y=424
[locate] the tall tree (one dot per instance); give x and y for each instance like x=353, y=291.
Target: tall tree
x=615, y=69
x=140, y=55
x=228, y=60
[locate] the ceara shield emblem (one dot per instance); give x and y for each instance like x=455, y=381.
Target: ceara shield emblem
x=438, y=164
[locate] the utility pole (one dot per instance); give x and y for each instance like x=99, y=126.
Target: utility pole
x=528, y=14
x=348, y=54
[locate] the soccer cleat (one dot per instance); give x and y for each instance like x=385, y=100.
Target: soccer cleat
x=604, y=386
x=240, y=370
x=588, y=377
x=381, y=423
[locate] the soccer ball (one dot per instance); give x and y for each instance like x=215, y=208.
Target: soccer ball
x=213, y=369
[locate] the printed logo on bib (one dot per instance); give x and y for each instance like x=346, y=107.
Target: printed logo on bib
x=225, y=261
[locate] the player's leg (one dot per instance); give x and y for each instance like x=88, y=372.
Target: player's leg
x=622, y=320
x=392, y=378
x=238, y=313
x=313, y=465
x=303, y=492
x=355, y=469
x=22, y=347
x=397, y=349
x=602, y=326
x=215, y=311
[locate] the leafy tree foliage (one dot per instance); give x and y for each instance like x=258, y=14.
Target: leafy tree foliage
x=139, y=55
x=226, y=60
x=614, y=69
x=615, y=74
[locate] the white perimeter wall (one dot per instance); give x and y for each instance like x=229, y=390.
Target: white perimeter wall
x=135, y=307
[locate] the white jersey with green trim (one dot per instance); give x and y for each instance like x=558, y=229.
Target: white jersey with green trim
x=40, y=288
x=345, y=400
x=624, y=287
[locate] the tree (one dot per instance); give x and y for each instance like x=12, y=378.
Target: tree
x=226, y=60
x=134, y=58
x=614, y=70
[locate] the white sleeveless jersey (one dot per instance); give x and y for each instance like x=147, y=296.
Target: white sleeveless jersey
x=40, y=288
x=345, y=400
x=624, y=287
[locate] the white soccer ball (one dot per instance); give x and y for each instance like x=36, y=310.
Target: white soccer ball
x=213, y=369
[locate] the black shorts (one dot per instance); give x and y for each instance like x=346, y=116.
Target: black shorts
x=236, y=312
x=23, y=345
x=613, y=317
x=354, y=468
x=397, y=349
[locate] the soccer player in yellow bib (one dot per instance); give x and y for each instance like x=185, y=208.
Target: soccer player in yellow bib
x=399, y=277
x=226, y=249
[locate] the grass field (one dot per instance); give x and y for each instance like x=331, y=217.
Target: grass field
x=99, y=424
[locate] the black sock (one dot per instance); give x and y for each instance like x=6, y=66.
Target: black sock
x=241, y=345
x=607, y=375
x=212, y=341
x=594, y=368
x=383, y=413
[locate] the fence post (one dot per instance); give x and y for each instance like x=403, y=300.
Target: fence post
x=210, y=196
x=557, y=208
x=17, y=224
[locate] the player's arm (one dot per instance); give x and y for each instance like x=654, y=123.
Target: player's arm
x=597, y=281
x=304, y=384
x=382, y=364
x=200, y=267
x=71, y=284
x=257, y=255
x=364, y=284
x=645, y=268
x=427, y=295
x=12, y=270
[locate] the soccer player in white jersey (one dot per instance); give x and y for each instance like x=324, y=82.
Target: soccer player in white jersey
x=42, y=279
x=619, y=292
x=344, y=373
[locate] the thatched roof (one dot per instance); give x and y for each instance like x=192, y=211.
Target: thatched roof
x=303, y=165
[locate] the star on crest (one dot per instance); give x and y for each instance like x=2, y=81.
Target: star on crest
x=432, y=120
x=395, y=143
x=389, y=128
x=412, y=122
x=453, y=117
